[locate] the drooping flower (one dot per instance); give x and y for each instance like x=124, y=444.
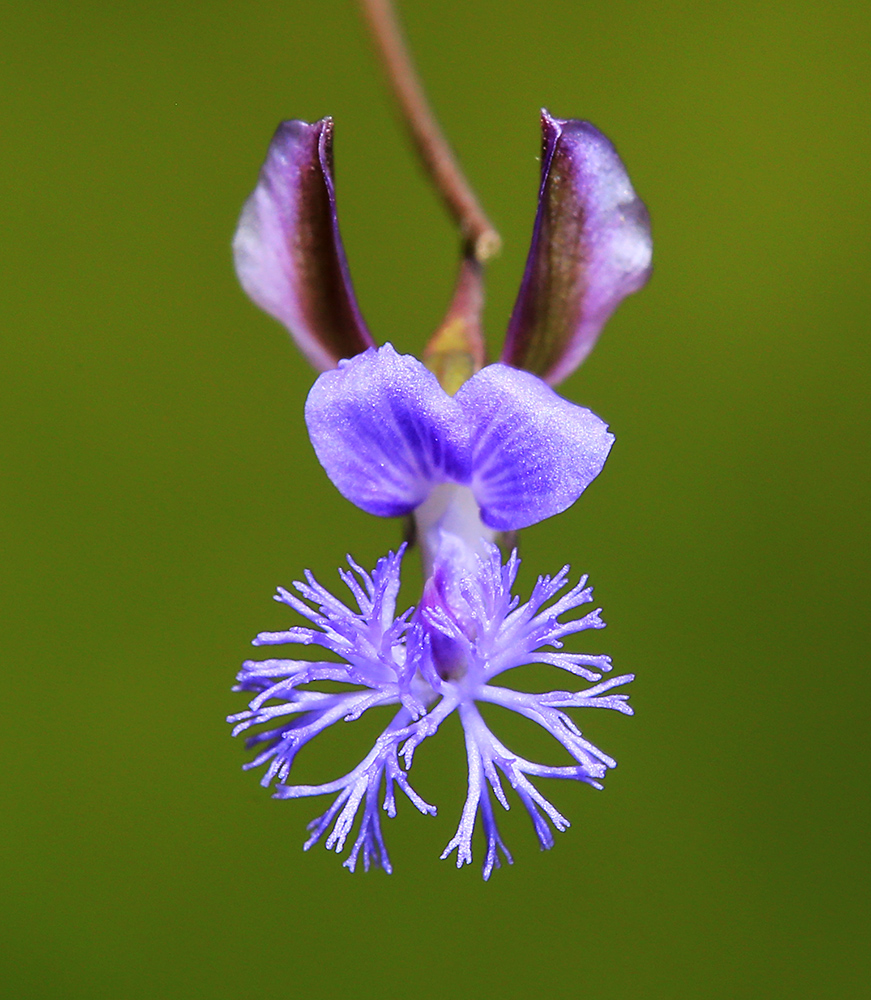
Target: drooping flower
x=503, y=453
x=469, y=451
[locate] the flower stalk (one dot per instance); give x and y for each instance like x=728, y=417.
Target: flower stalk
x=432, y=147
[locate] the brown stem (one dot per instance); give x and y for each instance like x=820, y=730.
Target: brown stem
x=428, y=138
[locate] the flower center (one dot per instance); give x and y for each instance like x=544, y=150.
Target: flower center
x=451, y=510
x=447, y=617
x=449, y=656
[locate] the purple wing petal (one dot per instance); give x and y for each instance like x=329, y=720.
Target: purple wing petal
x=288, y=252
x=590, y=248
x=386, y=432
x=533, y=452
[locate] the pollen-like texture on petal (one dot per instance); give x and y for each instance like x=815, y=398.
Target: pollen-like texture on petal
x=590, y=248
x=386, y=432
x=533, y=452
x=288, y=251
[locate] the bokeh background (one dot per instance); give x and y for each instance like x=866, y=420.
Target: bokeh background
x=157, y=484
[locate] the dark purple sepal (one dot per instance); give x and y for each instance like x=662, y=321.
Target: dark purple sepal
x=590, y=248
x=288, y=251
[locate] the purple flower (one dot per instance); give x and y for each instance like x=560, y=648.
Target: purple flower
x=503, y=453
x=469, y=452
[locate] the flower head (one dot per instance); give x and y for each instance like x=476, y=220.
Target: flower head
x=469, y=451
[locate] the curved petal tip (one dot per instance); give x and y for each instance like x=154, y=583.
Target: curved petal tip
x=591, y=247
x=288, y=250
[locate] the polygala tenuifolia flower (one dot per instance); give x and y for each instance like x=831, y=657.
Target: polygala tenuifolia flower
x=472, y=453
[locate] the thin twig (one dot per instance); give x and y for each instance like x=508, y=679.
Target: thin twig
x=428, y=138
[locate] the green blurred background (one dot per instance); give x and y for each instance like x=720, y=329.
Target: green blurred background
x=157, y=484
